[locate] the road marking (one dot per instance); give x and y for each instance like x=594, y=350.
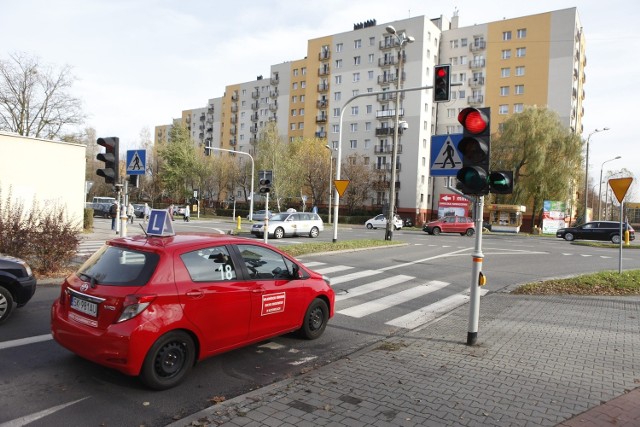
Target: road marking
x=299, y=361
x=24, y=341
x=333, y=269
x=27, y=419
x=373, y=286
x=432, y=311
x=423, y=260
x=383, y=303
x=311, y=264
x=353, y=276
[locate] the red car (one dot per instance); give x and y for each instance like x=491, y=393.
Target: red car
x=153, y=306
x=451, y=224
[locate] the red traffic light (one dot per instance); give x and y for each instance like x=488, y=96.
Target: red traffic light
x=441, y=72
x=473, y=120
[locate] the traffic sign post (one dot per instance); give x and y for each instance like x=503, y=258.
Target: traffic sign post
x=620, y=186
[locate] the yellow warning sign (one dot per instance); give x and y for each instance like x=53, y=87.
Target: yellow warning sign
x=341, y=185
x=620, y=187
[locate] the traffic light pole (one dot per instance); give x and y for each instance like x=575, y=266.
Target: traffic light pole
x=476, y=272
x=266, y=219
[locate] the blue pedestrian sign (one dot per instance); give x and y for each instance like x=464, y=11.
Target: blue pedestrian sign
x=446, y=160
x=159, y=223
x=136, y=162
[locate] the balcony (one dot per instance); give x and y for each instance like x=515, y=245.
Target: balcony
x=233, y=141
x=323, y=71
x=253, y=129
x=234, y=119
x=390, y=78
x=386, y=149
x=477, y=63
x=234, y=97
x=255, y=94
x=273, y=106
x=475, y=100
x=382, y=97
x=255, y=105
x=323, y=87
x=322, y=103
x=477, y=46
x=254, y=117
x=386, y=167
x=385, y=62
x=274, y=93
x=202, y=117
x=234, y=108
x=383, y=114
x=201, y=135
x=387, y=131
x=201, y=127
x=273, y=118
x=233, y=130
x=321, y=118
x=275, y=80
x=476, y=82
x=209, y=130
x=389, y=43
x=253, y=140
x=324, y=55
x=321, y=134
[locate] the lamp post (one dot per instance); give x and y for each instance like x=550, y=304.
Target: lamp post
x=586, y=172
x=252, y=170
x=330, y=177
x=402, y=40
x=600, y=190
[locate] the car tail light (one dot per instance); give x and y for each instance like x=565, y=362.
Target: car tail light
x=134, y=305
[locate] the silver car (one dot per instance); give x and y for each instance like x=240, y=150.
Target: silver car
x=290, y=224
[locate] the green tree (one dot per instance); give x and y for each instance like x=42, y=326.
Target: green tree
x=360, y=177
x=544, y=155
x=273, y=155
x=311, y=155
x=179, y=162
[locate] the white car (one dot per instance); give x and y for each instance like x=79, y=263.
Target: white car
x=380, y=221
x=291, y=224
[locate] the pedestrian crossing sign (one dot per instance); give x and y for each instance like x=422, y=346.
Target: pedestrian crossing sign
x=136, y=162
x=160, y=224
x=446, y=160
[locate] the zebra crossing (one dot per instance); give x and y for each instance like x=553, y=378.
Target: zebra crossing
x=393, y=292
x=86, y=248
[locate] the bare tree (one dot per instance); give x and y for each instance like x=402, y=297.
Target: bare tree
x=35, y=99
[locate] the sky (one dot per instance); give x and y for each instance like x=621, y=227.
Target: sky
x=139, y=63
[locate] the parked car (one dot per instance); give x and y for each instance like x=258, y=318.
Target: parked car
x=451, y=224
x=261, y=215
x=178, y=210
x=407, y=222
x=596, y=230
x=17, y=285
x=138, y=210
x=380, y=221
x=290, y=224
x=154, y=306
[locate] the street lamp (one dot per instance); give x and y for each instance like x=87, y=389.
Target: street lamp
x=252, y=170
x=586, y=173
x=600, y=190
x=330, y=177
x=402, y=39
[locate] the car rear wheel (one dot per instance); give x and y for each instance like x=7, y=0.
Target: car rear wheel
x=369, y=226
x=615, y=239
x=6, y=304
x=315, y=320
x=314, y=232
x=168, y=361
x=435, y=231
x=569, y=237
x=279, y=233
x=470, y=232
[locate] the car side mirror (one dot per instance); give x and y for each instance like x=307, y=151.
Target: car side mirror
x=296, y=272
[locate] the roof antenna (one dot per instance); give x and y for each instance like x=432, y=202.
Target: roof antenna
x=143, y=230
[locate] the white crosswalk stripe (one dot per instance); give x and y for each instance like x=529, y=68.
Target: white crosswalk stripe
x=373, y=286
x=87, y=248
x=333, y=269
x=354, y=276
x=393, y=299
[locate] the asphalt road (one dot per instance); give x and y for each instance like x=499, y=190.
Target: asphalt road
x=380, y=292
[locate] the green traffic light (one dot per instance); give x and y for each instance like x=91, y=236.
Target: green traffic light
x=501, y=182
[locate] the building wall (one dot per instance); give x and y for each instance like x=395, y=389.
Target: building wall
x=51, y=173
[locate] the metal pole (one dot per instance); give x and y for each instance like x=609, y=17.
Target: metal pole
x=477, y=258
x=600, y=190
x=394, y=154
x=330, y=179
x=621, y=239
x=252, y=174
x=266, y=220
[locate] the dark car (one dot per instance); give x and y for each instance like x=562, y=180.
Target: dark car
x=153, y=306
x=138, y=210
x=17, y=285
x=596, y=230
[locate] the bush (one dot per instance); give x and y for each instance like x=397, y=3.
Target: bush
x=47, y=240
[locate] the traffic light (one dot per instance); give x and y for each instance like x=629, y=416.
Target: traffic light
x=501, y=182
x=133, y=181
x=111, y=159
x=441, y=83
x=265, y=186
x=473, y=177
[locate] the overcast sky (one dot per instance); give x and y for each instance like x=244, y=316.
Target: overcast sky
x=139, y=63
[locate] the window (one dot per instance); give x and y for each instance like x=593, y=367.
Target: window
x=356, y=77
x=522, y=33
x=303, y=84
x=454, y=43
x=336, y=112
x=370, y=74
x=503, y=109
x=357, y=44
x=301, y=112
x=339, y=47
x=521, y=52
x=338, y=80
x=354, y=110
x=504, y=90
x=304, y=71
x=355, y=92
x=372, y=41
x=356, y=60
x=451, y=112
x=338, y=63
x=335, y=128
x=519, y=89
x=301, y=98
x=293, y=126
x=263, y=263
x=369, y=109
x=520, y=71
x=506, y=35
x=505, y=72
x=506, y=54
x=353, y=143
x=518, y=108
x=209, y=265
x=463, y=60
x=367, y=144
x=337, y=96
x=354, y=127
x=295, y=85
x=371, y=58
x=294, y=99
x=295, y=71
x=463, y=42
x=293, y=112
x=300, y=125
x=367, y=127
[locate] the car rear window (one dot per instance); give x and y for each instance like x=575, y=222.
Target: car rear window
x=112, y=265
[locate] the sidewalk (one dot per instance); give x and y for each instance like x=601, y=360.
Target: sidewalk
x=540, y=361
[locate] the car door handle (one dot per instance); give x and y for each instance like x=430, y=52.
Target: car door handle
x=195, y=294
x=258, y=291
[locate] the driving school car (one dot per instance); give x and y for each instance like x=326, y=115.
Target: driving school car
x=152, y=306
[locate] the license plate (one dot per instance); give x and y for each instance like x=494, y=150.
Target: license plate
x=84, y=306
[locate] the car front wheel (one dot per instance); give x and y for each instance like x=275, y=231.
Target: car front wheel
x=315, y=320
x=615, y=239
x=314, y=232
x=435, y=231
x=369, y=226
x=569, y=237
x=168, y=361
x=278, y=233
x=470, y=232
x=6, y=304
